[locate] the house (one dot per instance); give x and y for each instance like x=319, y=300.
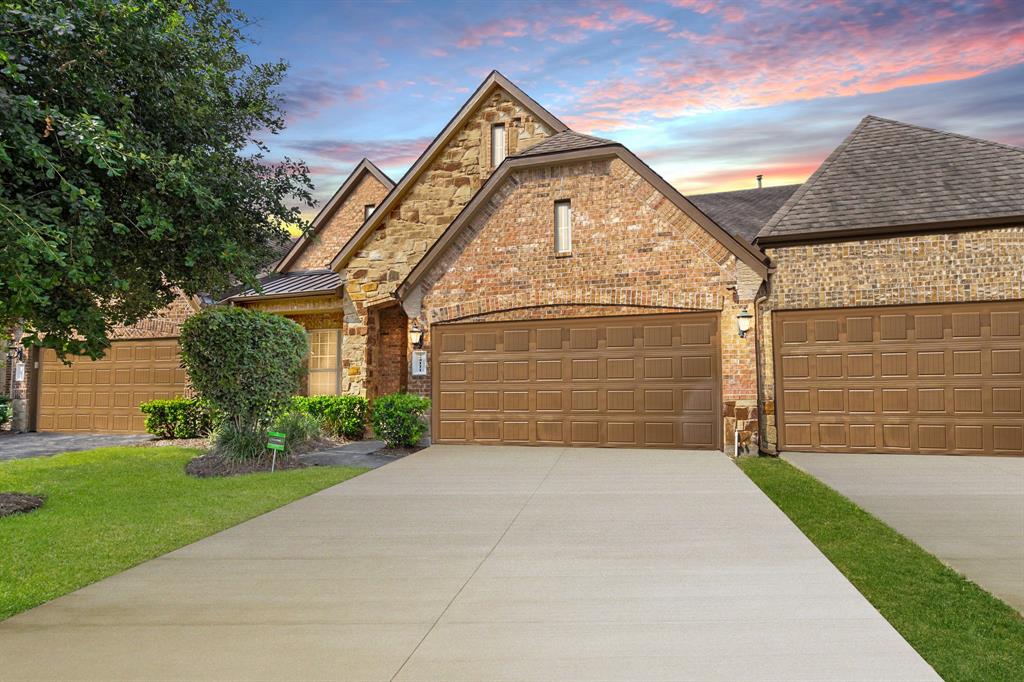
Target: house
x=548, y=287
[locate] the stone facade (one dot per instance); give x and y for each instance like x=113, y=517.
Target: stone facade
x=634, y=252
x=341, y=225
x=449, y=181
x=949, y=267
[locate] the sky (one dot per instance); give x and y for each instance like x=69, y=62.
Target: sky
x=709, y=94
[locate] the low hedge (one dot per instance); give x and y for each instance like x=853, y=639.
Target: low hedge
x=398, y=418
x=178, y=418
x=339, y=415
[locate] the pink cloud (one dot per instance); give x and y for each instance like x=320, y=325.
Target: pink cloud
x=493, y=32
x=388, y=153
x=761, y=61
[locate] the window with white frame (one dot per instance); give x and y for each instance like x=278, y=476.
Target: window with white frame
x=563, y=228
x=324, y=378
x=498, y=144
x=368, y=210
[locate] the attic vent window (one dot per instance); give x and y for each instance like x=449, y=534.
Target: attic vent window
x=368, y=210
x=563, y=228
x=498, y=144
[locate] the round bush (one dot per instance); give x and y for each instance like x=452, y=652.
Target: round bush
x=398, y=419
x=247, y=364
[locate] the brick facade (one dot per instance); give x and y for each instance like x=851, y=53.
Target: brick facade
x=634, y=252
x=387, y=347
x=340, y=227
x=951, y=267
x=438, y=195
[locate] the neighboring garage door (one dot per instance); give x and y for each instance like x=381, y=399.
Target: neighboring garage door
x=916, y=379
x=104, y=395
x=636, y=381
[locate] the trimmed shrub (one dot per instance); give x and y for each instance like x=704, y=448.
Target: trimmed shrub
x=247, y=365
x=398, y=418
x=339, y=415
x=178, y=418
x=298, y=427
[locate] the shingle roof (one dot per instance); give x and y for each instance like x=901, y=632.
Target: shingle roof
x=892, y=174
x=565, y=141
x=297, y=282
x=743, y=212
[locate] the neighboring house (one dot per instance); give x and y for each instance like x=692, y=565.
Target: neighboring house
x=555, y=290
x=893, y=319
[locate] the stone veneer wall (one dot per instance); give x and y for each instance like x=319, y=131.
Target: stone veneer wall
x=949, y=267
x=633, y=252
x=346, y=219
x=374, y=272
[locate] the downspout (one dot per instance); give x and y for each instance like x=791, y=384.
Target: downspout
x=761, y=298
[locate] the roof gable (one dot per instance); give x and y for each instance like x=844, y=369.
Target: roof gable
x=888, y=176
x=323, y=217
x=493, y=81
x=745, y=252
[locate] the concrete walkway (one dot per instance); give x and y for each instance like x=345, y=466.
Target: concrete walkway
x=967, y=511
x=38, y=444
x=477, y=563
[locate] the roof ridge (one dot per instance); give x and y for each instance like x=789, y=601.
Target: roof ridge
x=749, y=189
x=806, y=187
x=947, y=133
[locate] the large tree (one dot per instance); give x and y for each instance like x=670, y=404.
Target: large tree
x=132, y=162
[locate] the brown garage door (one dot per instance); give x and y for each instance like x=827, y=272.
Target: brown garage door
x=104, y=395
x=916, y=379
x=650, y=381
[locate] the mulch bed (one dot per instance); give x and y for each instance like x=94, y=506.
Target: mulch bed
x=212, y=464
x=16, y=503
x=398, y=452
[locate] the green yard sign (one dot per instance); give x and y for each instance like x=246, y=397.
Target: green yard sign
x=275, y=441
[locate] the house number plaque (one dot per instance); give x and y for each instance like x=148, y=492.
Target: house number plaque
x=419, y=363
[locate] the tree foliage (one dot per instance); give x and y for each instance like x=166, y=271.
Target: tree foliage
x=247, y=364
x=132, y=162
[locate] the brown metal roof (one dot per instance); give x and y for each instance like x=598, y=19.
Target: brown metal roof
x=743, y=212
x=888, y=176
x=564, y=141
x=300, y=282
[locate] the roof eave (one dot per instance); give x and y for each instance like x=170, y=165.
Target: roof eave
x=884, y=231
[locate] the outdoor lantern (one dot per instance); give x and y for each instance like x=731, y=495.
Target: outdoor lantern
x=743, y=322
x=416, y=335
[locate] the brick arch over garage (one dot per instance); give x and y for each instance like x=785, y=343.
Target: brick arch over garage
x=574, y=303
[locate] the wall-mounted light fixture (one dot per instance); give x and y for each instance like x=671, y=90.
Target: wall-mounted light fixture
x=416, y=335
x=743, y=322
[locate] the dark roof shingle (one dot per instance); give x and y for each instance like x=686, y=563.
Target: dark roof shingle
x=743, y=212
x=565, y=141
x=892, y=174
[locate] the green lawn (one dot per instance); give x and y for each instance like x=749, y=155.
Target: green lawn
x=112, y=508
x=962, y=631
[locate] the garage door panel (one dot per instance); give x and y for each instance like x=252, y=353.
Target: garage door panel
x=103, y=395
x=634, y=381
x=935, y=379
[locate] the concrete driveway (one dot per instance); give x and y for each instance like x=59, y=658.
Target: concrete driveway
x=476, y=563
x=967, y=511
x=38, y=444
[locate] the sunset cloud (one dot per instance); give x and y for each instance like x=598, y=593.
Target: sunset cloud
x=710, y=93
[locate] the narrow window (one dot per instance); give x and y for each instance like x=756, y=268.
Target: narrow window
x=563, y=228
x=498, y=145
x=368, y=210
x=323, y=362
